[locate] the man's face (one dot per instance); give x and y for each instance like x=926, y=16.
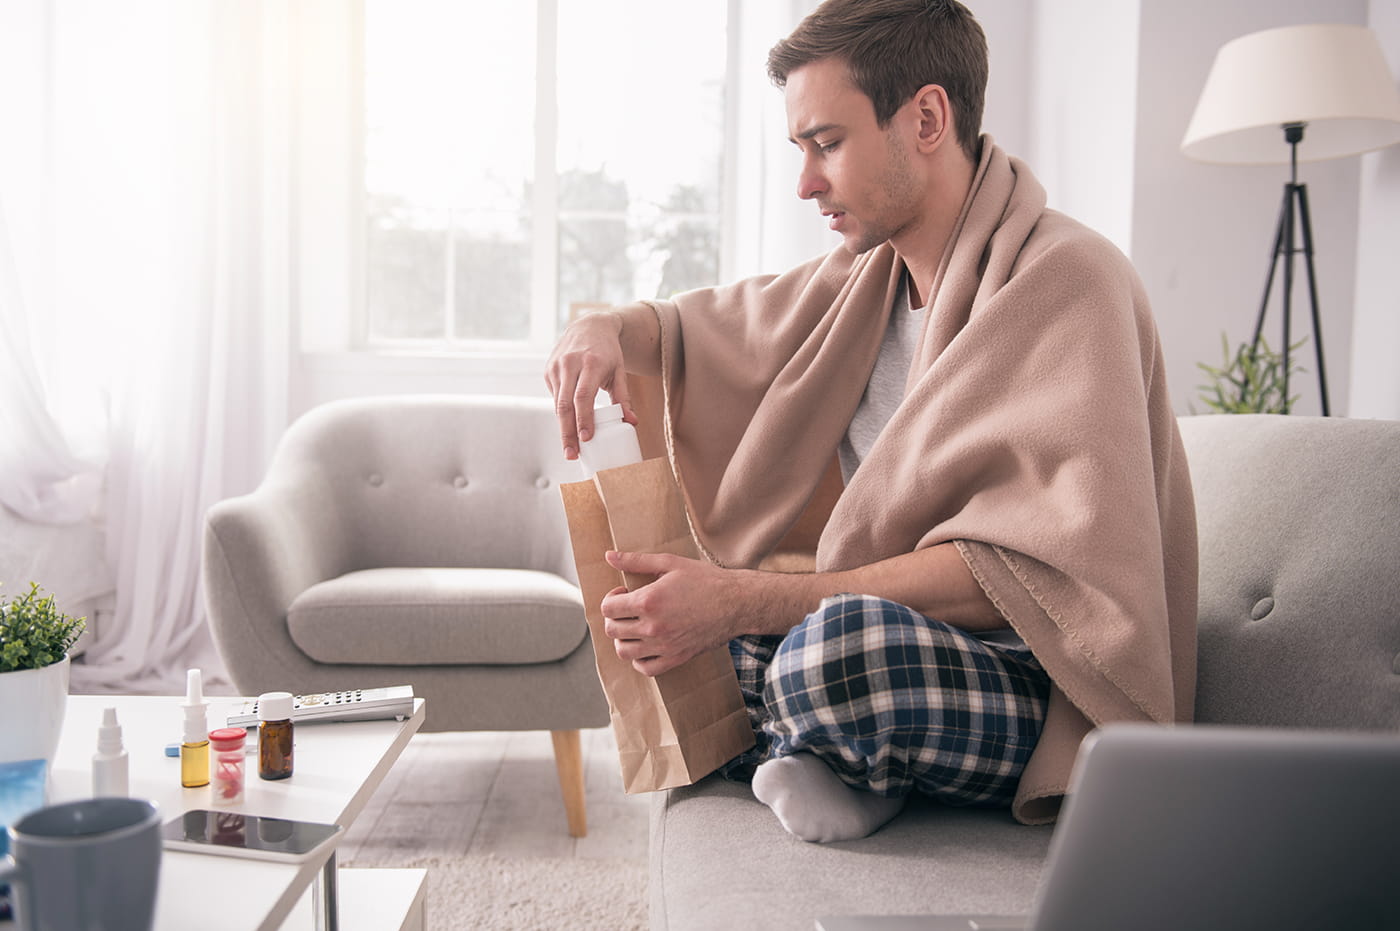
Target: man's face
x=858, y=173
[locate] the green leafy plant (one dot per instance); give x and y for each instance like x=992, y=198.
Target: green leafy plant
x=33, y=632
x=1250, y=380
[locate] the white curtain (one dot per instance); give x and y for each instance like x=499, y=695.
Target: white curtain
x=157, y=247
x=42, y=477
x=773, y=230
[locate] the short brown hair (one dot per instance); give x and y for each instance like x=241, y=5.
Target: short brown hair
x=893, y=48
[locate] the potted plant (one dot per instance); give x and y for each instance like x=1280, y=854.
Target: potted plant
x=34, y=640
x=1249, y=381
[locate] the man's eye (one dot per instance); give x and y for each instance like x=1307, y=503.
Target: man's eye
x=827, y=147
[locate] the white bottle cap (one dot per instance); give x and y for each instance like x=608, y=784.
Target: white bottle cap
x=109, y=735
x=275, y=706
x=608, y=413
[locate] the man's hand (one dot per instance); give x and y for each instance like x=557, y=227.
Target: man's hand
x=588, y=357
x=691, y=607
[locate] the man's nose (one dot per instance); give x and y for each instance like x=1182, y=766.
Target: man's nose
x=810, y=182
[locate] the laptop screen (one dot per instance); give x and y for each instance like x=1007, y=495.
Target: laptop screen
x=1212, y=827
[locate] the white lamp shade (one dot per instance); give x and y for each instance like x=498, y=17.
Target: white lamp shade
x=1332, y=77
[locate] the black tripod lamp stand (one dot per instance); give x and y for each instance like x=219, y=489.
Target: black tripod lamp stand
x=1293, y=218
x=1330, y=81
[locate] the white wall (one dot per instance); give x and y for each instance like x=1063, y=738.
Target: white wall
x=1081, y=86
x=1202, y=234
x=1375, y=372
x=1007, y=112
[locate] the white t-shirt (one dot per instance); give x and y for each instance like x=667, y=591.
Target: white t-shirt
x=883, y=394
x=885, y=390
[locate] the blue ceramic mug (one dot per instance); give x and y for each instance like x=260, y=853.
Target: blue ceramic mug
x=91, y=865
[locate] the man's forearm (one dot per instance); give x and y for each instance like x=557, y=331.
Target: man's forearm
x=935, y=581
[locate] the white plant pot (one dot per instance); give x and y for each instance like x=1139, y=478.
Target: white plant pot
x=32, y=704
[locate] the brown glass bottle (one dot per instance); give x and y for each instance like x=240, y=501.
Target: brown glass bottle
x=275, y=735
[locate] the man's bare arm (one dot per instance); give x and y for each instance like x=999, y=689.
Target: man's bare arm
x=935, y=581
x=693, y=606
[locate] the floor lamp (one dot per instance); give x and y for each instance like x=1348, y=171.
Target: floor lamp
x=1324, y=91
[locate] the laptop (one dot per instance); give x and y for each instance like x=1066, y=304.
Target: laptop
x=1212, y=828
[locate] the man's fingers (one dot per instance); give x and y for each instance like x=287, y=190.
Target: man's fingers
x=620, y=394
x=568, y=426
x=617, y=606
x=587, y=359
x=654, y=665
x=640, y=563
x=573, y=407
x=635, y=652
x=621, y=629
x=583, y=408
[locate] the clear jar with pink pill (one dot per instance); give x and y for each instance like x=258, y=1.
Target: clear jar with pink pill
x=227, y=775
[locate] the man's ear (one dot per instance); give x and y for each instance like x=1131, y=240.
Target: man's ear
x=935, y=115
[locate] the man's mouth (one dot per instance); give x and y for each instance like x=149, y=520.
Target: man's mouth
x=834, y=217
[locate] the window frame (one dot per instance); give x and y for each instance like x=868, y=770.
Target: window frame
x=546, y=216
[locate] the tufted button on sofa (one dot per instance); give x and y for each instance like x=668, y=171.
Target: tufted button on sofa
x=414, y=540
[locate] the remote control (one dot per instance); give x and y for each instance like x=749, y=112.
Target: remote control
x=396, y=701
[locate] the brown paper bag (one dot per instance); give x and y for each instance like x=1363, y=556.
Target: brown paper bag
x=677, y=727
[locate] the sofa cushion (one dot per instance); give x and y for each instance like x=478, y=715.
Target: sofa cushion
x=1300, y=570
x=413, y=616
x=721, y=860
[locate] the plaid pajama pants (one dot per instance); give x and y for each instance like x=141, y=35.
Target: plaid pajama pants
x=893, y=701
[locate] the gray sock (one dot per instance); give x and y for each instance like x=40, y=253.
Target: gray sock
x=814, y=804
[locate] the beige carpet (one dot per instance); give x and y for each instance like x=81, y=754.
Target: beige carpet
x=502, y=894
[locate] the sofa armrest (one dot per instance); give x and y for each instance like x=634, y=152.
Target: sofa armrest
x=260, y=551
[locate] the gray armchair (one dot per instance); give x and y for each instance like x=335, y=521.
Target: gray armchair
x=414, y=540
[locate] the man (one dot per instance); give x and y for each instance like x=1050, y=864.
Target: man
x=1012, y=558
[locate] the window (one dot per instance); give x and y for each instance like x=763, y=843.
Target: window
x=524, y=161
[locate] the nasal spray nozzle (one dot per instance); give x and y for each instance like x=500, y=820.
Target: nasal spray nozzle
x=194, y=744
x=196, y=713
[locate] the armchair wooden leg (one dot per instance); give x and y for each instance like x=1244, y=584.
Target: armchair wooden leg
x=568, y=759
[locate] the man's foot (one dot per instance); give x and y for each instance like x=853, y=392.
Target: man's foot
x=814, y=804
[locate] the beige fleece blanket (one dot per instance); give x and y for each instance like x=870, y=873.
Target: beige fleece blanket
x=1036, y=433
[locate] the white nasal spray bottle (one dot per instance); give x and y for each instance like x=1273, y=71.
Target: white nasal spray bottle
x=614, y=442
x=110, y=773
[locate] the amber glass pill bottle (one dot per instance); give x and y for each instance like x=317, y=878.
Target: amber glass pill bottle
x=275, y=735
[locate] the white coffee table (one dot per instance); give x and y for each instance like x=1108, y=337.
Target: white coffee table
x=338, y=767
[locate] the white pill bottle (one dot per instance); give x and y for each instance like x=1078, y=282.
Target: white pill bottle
x=614, y=442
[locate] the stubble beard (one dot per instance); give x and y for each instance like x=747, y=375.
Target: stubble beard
x=897, y=192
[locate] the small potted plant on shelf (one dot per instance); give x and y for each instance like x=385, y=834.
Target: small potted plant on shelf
x=34, y=640
x=1249, y=381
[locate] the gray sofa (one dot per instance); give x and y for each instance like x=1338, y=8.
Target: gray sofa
x=1299, y=627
